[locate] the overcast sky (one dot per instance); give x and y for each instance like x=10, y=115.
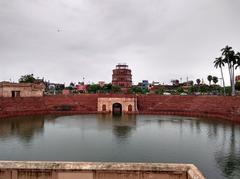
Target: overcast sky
x=160, y=40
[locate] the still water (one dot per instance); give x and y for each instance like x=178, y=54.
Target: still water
x=213, y=146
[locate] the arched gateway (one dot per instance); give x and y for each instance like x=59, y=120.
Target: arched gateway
x=117, y=108
x=117, y=105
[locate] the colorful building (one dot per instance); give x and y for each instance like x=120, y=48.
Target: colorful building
x=122, y=77
x=144, y=84
x=82, y=88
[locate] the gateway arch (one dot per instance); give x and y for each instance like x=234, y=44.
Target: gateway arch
x=117, y=105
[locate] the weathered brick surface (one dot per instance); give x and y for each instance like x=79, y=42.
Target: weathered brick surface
x=199, y=106
x=96, y=170
x=75, y=104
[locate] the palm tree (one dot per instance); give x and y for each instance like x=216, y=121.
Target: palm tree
x=225, y=53
x=198, y=81
x=237, y=56
x=209, y=79
x=233, y=61
x=215, y=79
x=230, y=59
x=220, y=63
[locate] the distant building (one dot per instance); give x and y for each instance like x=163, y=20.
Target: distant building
x=66, y=92
x=53, y=88
x=8, y=89
x=175, y=82
x=155, y=83
x=122, y=77
x=187, y=83
x=144, y=84
x=81, y=87
x=101, y=83
x=153, y=88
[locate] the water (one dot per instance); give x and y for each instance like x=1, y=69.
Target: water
x=213, y=146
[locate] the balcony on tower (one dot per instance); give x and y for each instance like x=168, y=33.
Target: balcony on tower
x=121, y=66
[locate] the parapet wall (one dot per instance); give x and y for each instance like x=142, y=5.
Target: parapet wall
x=198, y=106
x=80, y=170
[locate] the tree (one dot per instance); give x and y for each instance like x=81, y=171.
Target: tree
x=160, y=90
x=237, y=56
x=198, y=81
x=209, y=79
x=107, y=88
x=180, y=90
x=71, y=86
x=137, y=89
x=94, y=88
x=193, y=89
x=116, y=89
x=29, y=78
x=220, y=63
x=215, y=79
x=230, y=58
x=204, y=88
x=237, y=86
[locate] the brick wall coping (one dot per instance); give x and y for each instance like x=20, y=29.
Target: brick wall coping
x=102, y=166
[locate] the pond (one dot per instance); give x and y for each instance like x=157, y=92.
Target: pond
x=212, y=145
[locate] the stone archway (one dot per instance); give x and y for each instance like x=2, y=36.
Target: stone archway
x=117, y=108
x=128, y=105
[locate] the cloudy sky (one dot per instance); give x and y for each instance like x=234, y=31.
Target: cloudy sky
x=160, y=40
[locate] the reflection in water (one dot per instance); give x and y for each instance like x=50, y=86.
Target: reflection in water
x=23, y=127
x=213, y=146
x=229, y=160
x=122, y=131
x=122, y=126
x=198, y=126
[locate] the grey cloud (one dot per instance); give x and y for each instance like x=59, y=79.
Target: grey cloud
x=64, y=40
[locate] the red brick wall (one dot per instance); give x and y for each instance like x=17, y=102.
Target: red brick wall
x=74, y=104
x=199, y=106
